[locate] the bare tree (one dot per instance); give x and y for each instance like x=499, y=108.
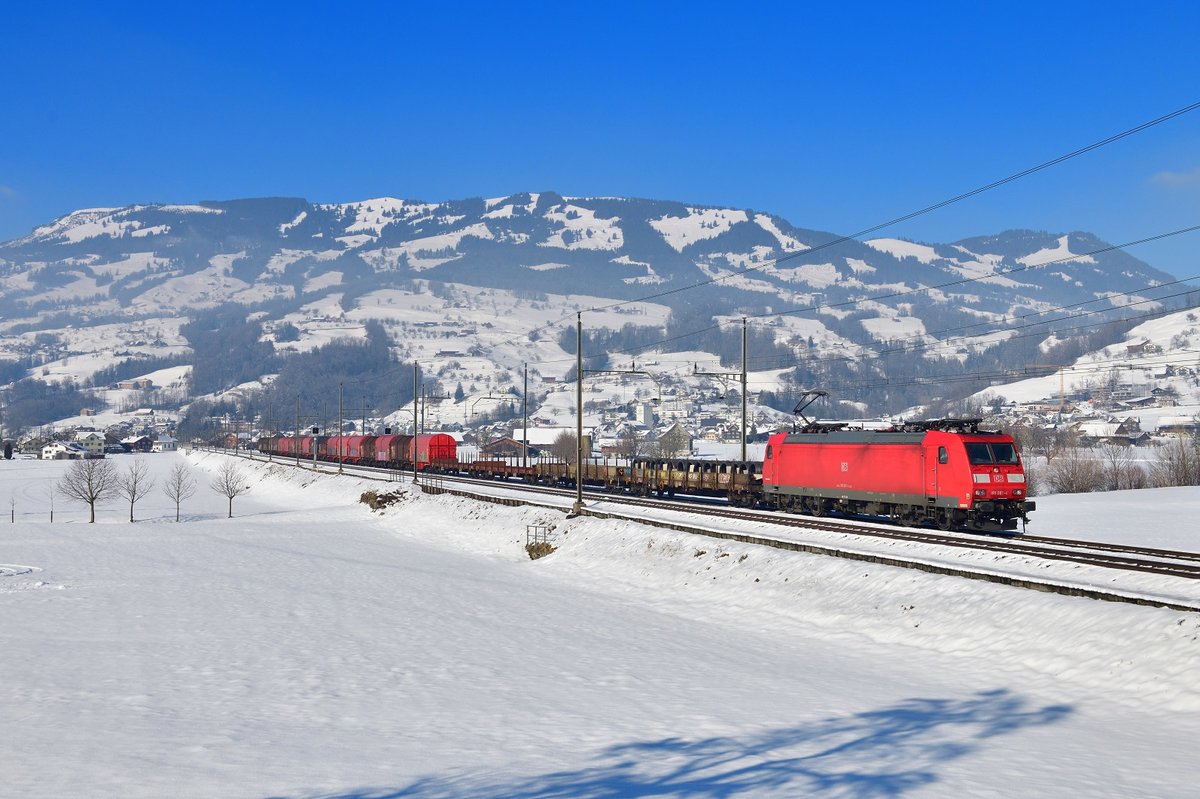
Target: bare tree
x=1033, y=439
x=1073, y=472
x=1033, y=479
x=179, y=486
x=1066, y=440
x=629, y=445
x=229, y=483
x=564, y=447
x=1178, y=464
x=135, y=483
x=1121, y=471
x=89, y=481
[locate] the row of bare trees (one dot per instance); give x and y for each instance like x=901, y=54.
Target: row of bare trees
x=1113, y=467
x=94, y=482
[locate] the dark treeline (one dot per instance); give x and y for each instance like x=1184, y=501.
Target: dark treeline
x=31, y=402
x=602, y=340
x=12, y=371
x=371, y=379
x=204, y=419
x=133, y=367
x=365, y=369
x=227, y=349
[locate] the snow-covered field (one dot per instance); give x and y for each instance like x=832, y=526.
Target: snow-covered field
x=308, y=647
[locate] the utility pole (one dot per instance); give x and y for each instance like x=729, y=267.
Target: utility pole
x=743, y=389
x=416, y=383
x=340, y=428
x=296, y=442
x=741, y=375
x=525, y=437
x=578, y=507
x=270, y=425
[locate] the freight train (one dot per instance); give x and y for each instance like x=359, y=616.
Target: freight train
x=947, y=473
x=431, y=452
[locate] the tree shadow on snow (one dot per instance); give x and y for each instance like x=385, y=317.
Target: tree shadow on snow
x=880, y=753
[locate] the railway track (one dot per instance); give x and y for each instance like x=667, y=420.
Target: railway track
x=1113, y=556
x=1144, y=560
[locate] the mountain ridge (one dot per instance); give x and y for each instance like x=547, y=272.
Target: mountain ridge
x=826, y=306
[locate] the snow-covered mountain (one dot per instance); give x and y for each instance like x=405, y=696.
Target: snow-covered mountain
x=465, y=282
x=178, y=257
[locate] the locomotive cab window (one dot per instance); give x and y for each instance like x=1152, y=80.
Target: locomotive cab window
x=943, y=456
x=978, y=452
x=768, y=452
x=1004, y=452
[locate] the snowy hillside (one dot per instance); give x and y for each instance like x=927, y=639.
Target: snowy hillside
x=176, y=257
x=1152, y=375
x=476, y=289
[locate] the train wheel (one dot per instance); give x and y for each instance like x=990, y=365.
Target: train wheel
x=945, y=520
x=819, y=508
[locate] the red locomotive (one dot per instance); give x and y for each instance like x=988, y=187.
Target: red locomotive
x=945, y=472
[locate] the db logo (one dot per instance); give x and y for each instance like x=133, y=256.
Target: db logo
x=845, y=466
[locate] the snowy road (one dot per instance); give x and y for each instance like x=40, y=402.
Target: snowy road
x=310, y=648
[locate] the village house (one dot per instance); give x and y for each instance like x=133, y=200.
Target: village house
x=137, y=443
x=59, y=451
x=1178, y=426
x=91, y=441
x=165, y=443
x=503, y=448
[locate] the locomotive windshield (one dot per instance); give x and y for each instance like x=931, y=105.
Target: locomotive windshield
x=979, y=452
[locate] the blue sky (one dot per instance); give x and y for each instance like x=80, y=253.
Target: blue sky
x=834, y=116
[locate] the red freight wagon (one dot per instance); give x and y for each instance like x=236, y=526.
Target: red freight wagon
x=947, y=472
x=434, y=450
x=307, y=443
x=326, y=447
x=349, y=449
x=393, y=451
x=358, y=448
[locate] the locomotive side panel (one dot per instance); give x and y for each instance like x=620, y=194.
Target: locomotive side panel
x=848, y=465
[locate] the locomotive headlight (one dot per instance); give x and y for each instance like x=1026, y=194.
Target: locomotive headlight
x=1016, y=492
x=979, y=492
x=982, y=478
x=1016, y=478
